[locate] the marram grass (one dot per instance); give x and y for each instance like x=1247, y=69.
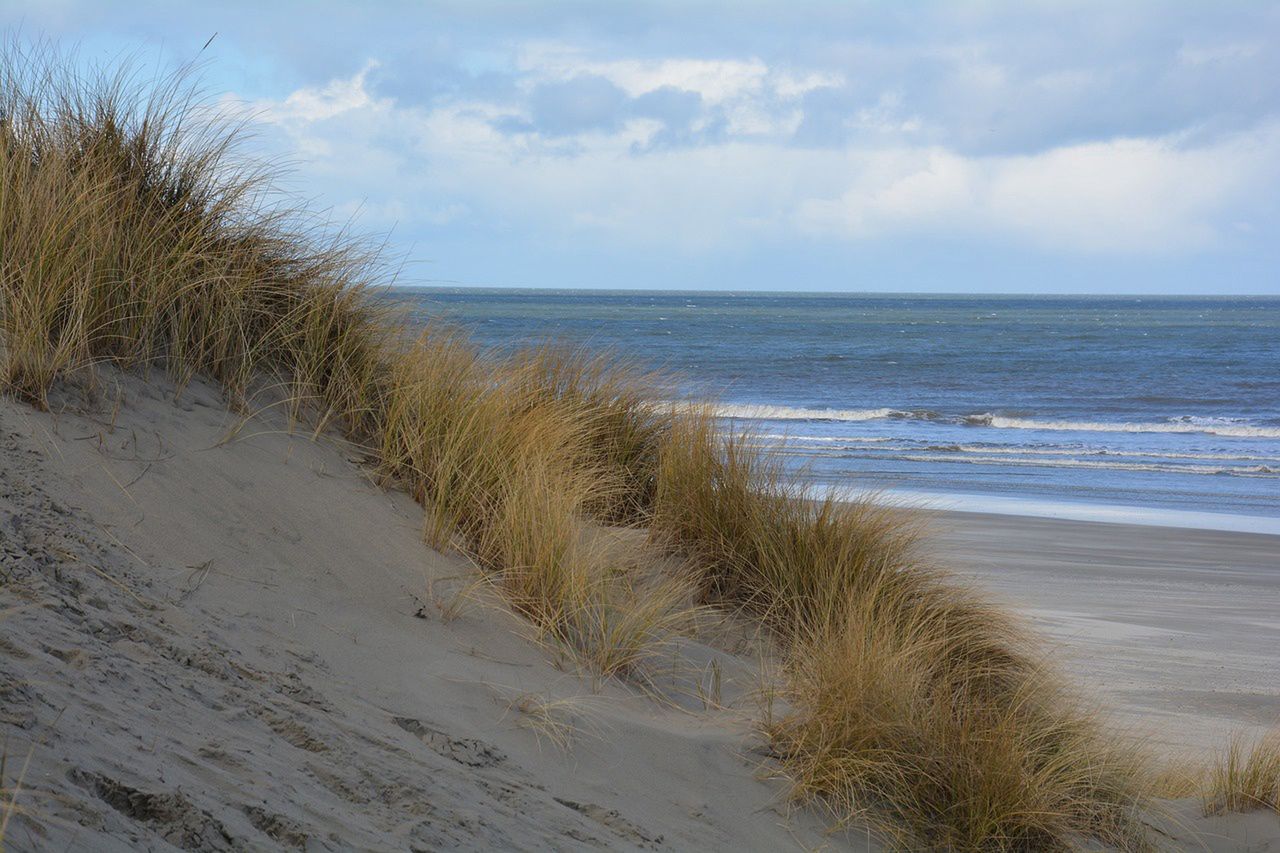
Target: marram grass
x=916, y=707
x=1246, y=777
x=133, y=233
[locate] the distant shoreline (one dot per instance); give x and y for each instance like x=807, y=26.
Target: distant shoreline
x=968, y=504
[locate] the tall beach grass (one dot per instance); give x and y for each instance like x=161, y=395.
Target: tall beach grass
x=134, y=233
x=916, y=706
x=1246, y=777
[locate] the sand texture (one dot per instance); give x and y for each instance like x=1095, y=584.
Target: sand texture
x=1177, y=631
x=217, y=641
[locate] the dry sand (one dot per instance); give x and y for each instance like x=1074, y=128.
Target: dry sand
x=210, y=644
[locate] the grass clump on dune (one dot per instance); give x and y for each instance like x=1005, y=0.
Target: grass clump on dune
x=1246, y=777
x=914, y=706
x=510, y=459
x=133, y=234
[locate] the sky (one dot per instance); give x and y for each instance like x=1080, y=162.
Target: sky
x=1108, y=146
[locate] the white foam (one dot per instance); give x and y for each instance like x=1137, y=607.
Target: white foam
x=1167, y=468
x=1188, y=424
x=1140, y=454
x=788, y=413
x=798, y=443
x=828, y=439
x=1229, y=427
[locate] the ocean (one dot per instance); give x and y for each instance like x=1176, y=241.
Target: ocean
x=1081, y=406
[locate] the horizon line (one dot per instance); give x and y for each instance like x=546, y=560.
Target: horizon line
x=765, y=292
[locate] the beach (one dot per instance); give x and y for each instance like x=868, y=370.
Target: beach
x=1174, y=629
x=221, y=634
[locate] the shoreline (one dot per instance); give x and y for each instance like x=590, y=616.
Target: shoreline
x=968, y=503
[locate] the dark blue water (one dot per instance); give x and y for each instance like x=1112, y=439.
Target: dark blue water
x=1145, y=402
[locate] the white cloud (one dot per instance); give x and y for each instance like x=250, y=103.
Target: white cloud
x=431, y=165
x=756, y=99
x=1209, y=54
x=715, y=80
x=311, y=104
x=789, y=85
x=885, y=117
x=1126, y=195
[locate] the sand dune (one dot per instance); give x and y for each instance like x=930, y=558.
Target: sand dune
x=226, y=646
x=228, y=643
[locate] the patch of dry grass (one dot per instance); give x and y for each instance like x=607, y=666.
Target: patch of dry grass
x=916, y=707
x=1246, y=777
x=133, y=233
x=558, y=721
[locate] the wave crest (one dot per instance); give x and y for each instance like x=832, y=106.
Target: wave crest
x=788, y=413
x=1186, y=424
x=1228, y=427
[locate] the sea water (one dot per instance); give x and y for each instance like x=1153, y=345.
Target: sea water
x=1002, y=403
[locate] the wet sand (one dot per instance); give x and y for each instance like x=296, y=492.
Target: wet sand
x=1178, y=630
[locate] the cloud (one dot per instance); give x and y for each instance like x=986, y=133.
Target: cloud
x=715, y=80
x=590, y=159
x=317, y=103
x=696, y=99
x=1125, y=195
x=583, y=102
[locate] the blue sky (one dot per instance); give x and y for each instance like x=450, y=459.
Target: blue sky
x=964, y=146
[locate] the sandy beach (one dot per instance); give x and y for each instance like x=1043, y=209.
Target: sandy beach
x=1176, y=630
x=213, y=645
x=220, y=635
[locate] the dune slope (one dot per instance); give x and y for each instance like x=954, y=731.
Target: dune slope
x=215, y=645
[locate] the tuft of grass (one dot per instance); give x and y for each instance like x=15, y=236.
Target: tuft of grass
x=938, y=749
x=915, y=707
x=555, y=720
x=760, y=540
x=620, y=429
x=1246, y=777
x=1176, y=779
x=134, y=233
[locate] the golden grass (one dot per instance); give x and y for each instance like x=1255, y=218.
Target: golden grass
x=558, y=721
x=916, y=707
x=132, y=234
x=1246, y=777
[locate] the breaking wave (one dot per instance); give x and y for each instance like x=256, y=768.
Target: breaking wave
x=1229, y=427
x=1167, y=468
x=1186, y=424
x=787, y=413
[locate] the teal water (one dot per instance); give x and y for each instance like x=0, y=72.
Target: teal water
x=1123, y=401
